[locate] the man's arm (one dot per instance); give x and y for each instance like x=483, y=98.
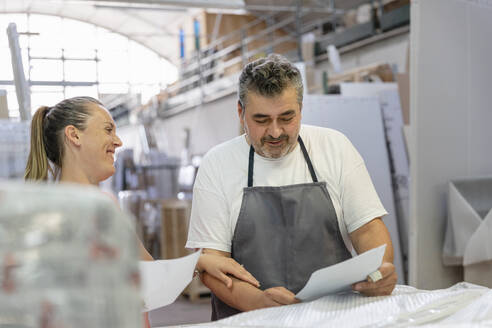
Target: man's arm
x=244, y=296
x=369, y=236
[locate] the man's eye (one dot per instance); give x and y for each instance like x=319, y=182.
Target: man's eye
x=287, y=119
x=109, y=130
x=261, y=121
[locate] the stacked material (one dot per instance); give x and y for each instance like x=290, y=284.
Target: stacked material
x=68, y=258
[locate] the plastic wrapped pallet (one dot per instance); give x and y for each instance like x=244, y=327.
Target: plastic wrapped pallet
x=68, y=258
x=14, y=148
x=462, y=305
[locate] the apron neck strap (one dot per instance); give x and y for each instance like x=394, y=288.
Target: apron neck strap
x=304, y=153
x=308, y=160
x=251, y=165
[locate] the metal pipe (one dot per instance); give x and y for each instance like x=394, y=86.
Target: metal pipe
x=22, y=88
x=298, y=30
x=219, y=4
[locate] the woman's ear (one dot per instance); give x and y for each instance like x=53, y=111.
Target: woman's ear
x=72, y=134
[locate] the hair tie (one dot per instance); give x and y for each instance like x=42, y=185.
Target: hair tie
x=47, y=111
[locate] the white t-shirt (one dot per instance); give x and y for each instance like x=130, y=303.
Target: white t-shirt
x=223, y=173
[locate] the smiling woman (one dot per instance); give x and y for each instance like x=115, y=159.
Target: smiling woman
x=78, y=137
x=75, y=141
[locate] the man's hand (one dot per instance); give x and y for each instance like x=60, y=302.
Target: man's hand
x=277, y=296
x=381, y=287
x=369, y=236
x=220, y=266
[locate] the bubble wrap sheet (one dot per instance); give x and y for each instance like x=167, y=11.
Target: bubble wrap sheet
x=68, y=259
x=462, y=305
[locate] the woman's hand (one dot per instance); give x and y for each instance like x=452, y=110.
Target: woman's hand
x=220, y=267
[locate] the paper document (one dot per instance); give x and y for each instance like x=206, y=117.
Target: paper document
x=163, y=280
x=341, y=276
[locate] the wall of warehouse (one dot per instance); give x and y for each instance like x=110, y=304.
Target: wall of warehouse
x=213, y=123
x=217, y=121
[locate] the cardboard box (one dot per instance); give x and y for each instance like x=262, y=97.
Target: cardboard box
x=479, y=273
x=375, y=72
x=175, y=216
x=403, y=81
x=392, y=5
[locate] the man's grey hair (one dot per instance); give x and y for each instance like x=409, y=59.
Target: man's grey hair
x=269, y=77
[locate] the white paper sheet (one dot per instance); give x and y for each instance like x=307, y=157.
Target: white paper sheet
x=341, y=276
x=164, y=280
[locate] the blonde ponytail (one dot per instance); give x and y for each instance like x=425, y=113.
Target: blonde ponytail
x=37, y=163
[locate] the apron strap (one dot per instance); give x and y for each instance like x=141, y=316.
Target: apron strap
x=251, y=165
x=308, y=160
x=304, y=152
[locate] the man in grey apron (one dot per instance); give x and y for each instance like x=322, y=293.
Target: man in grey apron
x=284, y=233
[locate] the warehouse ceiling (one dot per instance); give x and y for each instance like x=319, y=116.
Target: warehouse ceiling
x=148, y=21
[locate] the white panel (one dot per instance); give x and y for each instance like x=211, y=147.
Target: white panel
x=436, y=117
x=450, y=115
x=393, y=124
x=361, y=121
x=210, y=125
x=480, y=88
x=365, y=89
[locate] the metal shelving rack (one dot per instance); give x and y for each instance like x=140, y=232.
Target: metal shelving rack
x=201, y=75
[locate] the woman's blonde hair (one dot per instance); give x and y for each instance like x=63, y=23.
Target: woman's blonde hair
x=47, y=138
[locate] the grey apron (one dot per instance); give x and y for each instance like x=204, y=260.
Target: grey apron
x=283, y=234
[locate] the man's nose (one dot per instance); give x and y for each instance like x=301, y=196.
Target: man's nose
x=275, y=130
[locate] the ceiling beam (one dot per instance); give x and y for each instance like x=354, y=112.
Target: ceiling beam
x=139, y=7
x=208, y=4
x=229, y=4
